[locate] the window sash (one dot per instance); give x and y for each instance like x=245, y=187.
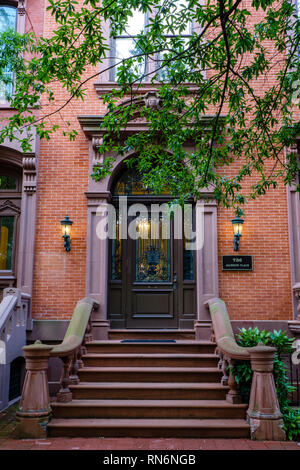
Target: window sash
x=7, y=235
x=6, y=89
x=146, y=65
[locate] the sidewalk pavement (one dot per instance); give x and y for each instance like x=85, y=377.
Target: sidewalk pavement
x=62, y=443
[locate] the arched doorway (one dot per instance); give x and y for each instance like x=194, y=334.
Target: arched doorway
x=151, y=268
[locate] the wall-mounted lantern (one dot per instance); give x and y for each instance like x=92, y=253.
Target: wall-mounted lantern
x=237, y=231
x=66, y=226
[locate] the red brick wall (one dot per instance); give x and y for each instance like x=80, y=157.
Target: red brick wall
x=264, y=293
x=59, y=277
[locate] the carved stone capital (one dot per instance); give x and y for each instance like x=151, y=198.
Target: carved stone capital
x=98, y=158
x=29, y=171
x=21, y=8
x=292, y=149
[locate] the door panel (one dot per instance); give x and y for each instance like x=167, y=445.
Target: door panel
x=151, y=279
x=150, y=293
x=146, y=302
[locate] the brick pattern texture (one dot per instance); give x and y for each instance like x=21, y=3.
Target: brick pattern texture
x=59, y=277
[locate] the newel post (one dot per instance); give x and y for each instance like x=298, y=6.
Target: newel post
x=34, y=409
x=264, y=415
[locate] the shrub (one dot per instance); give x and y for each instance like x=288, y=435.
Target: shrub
x=243, y=374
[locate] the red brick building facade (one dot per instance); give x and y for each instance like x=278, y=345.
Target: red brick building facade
x=61, y=184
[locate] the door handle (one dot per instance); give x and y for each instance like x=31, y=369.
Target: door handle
x=174, y=281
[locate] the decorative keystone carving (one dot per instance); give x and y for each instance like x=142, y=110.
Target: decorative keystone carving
x=264, y=414
x=152, y=100
x=29, y=169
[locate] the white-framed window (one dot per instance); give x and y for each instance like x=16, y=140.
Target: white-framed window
x=8, y=20
x=184, y=28
x=125, y=45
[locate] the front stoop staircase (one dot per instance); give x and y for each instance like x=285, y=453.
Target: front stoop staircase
x=149, y=389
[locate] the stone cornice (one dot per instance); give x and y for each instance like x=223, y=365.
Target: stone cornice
x=90, y=125
x=139, y=89
x=137, y=123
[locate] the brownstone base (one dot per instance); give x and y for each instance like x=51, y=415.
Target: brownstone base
x=31, y=428
x=267, y=429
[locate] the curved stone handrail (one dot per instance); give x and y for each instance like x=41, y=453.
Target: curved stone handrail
x=34, y=410
x=223, y=331
x=77, y=328
x=224, y=335
x=6, y=307
x=263, y=414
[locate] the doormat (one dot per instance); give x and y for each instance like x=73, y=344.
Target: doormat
x=148, y=341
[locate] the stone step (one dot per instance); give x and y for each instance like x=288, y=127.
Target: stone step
x=178, y=347
x=150, y=360
x=150, y=374
x=149, y=390
x=202, y=428
x=149, y=409
x=151, y=334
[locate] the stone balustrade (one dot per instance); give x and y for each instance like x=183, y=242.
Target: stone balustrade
x=14, y=310
x=263, y=414
x=34, y=410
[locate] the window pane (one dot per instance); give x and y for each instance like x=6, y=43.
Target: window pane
x=6, y=242
x=8, y=182
x=126, y=48
x=8, y=17
x=188, y=264
x=116, y=262
x=136, y=23
x=188, y=255
x=166, y=71
x=6, y=89
x=175, y=9
x=130, y=184
x=153, y=260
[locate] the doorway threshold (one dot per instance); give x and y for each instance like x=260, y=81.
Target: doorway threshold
x=148, y=341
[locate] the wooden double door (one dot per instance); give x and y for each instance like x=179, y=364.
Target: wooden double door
x=151, y=276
